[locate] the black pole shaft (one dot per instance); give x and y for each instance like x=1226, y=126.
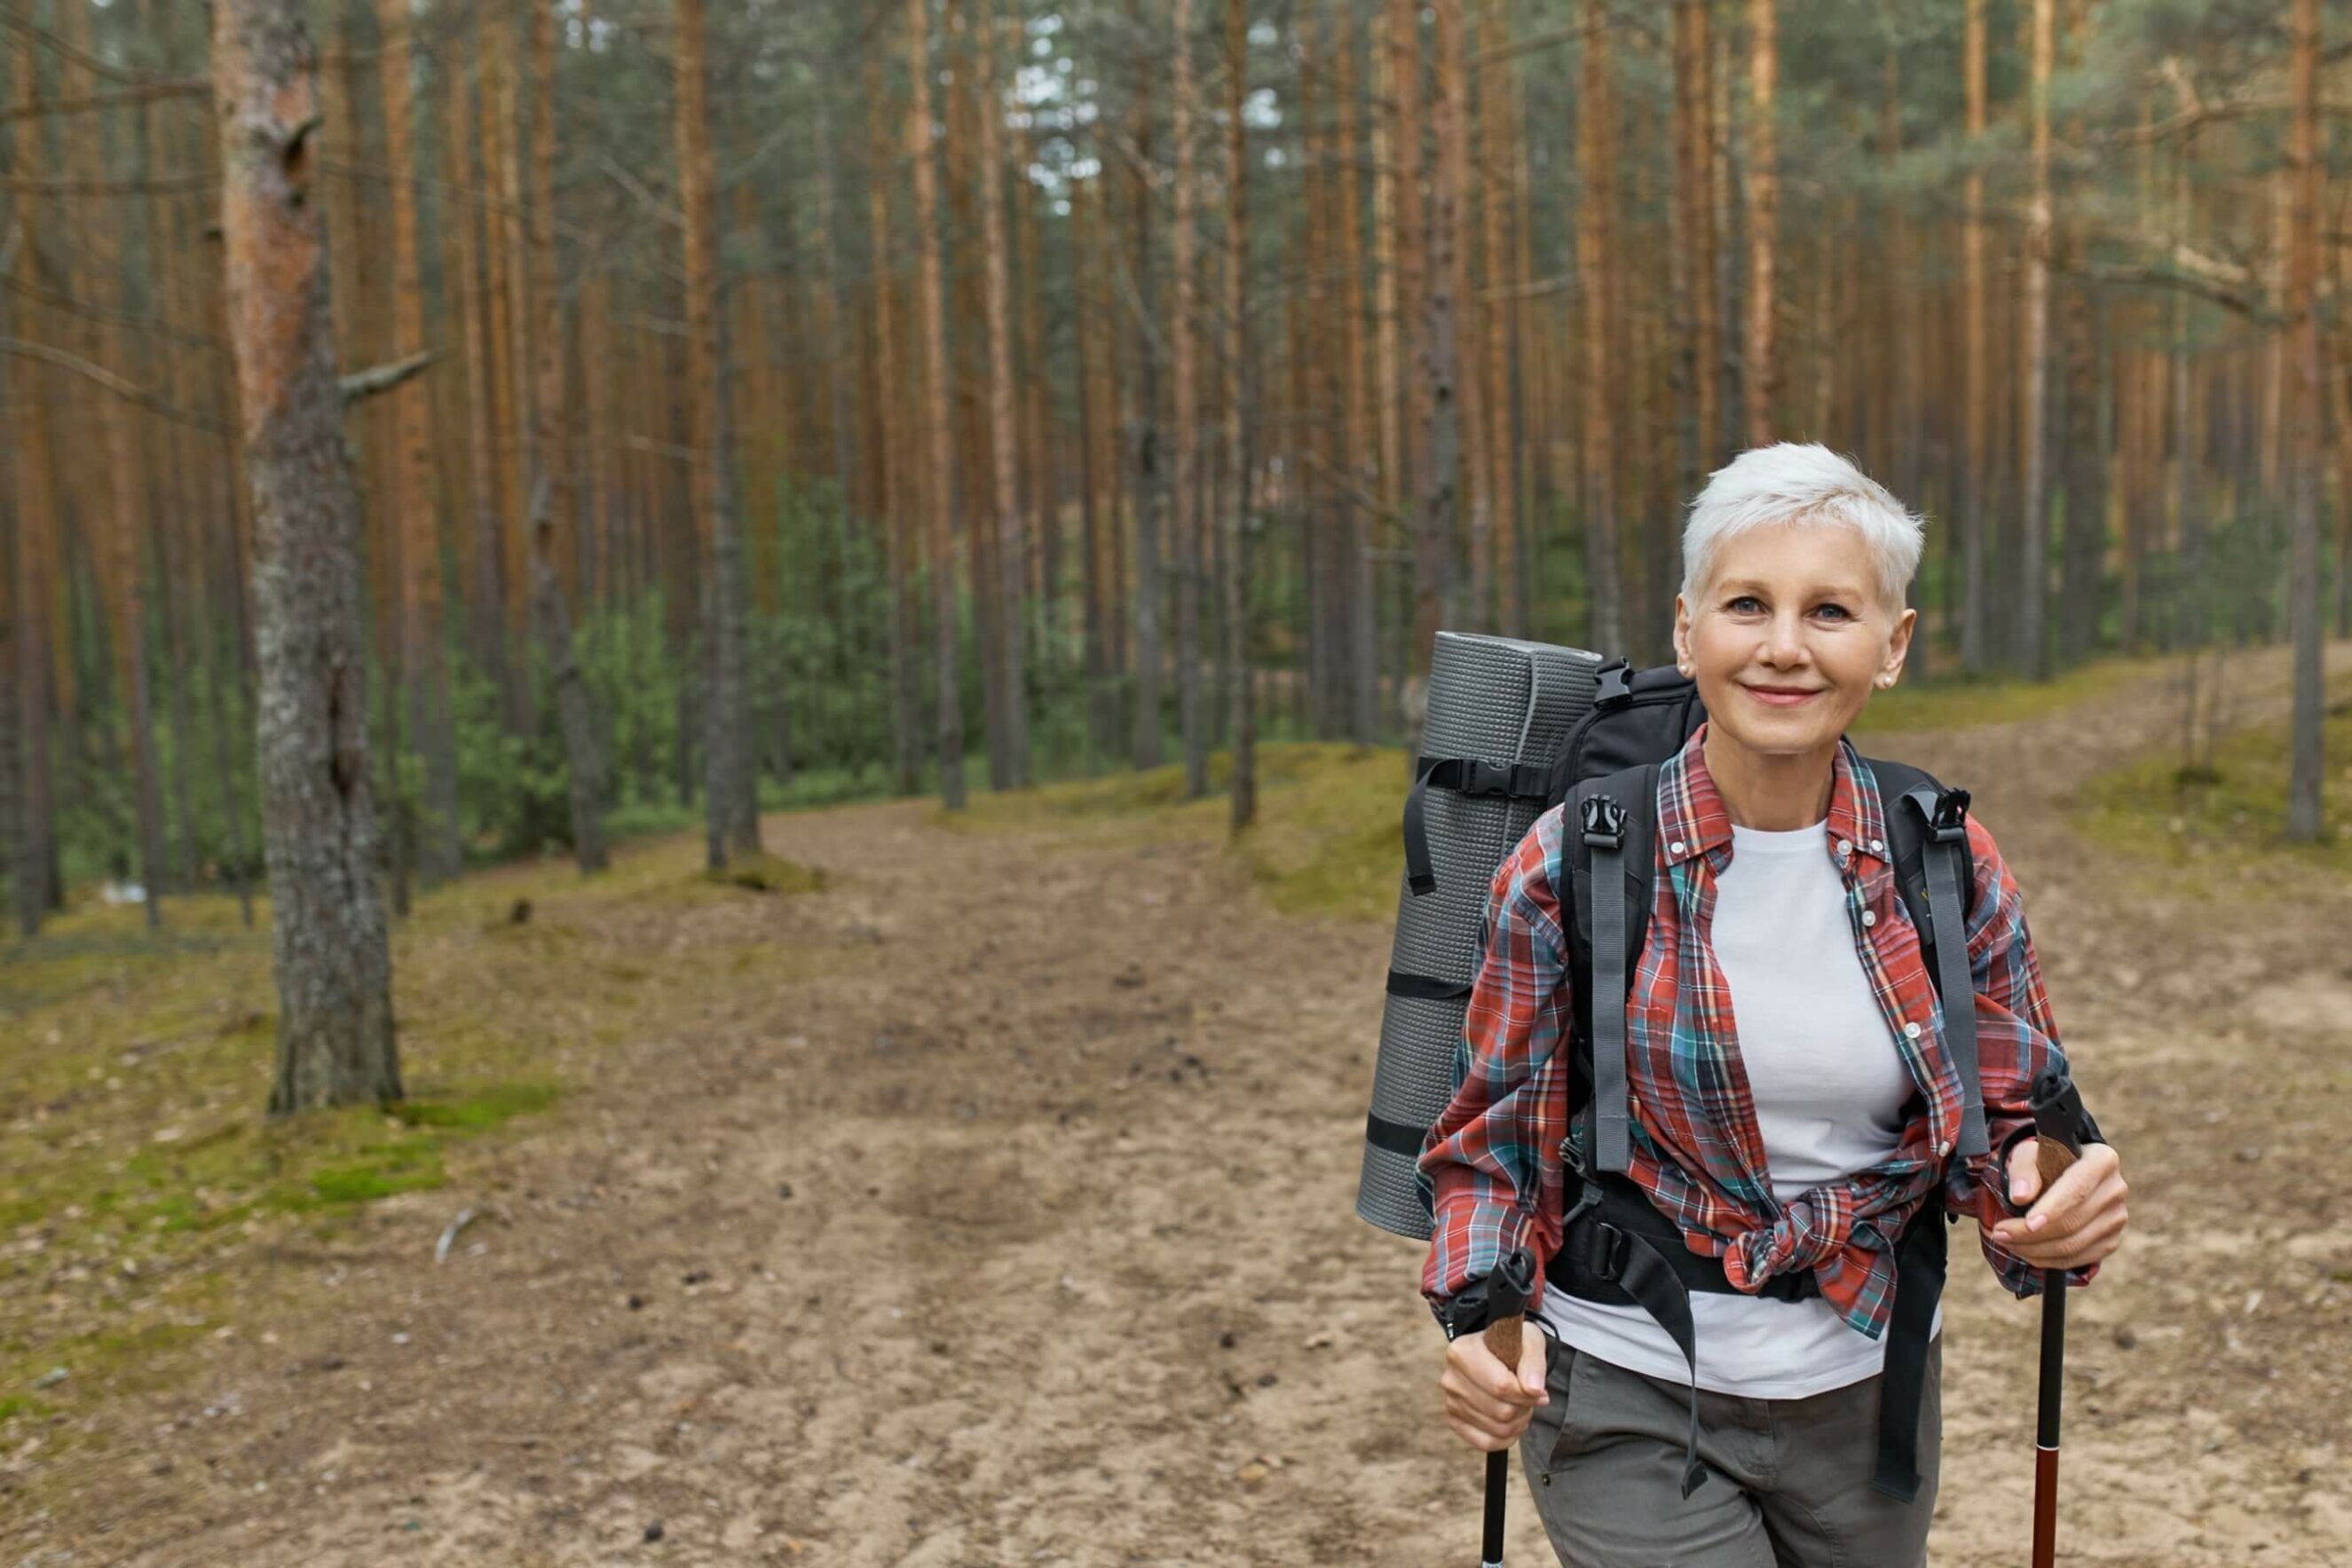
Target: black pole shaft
x=2053, y=1356
x=1498, y=1486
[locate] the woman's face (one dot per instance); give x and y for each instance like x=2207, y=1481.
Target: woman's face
x=1790, y=638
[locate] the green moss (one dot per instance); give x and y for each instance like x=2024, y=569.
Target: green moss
x=2224, y=826
x=15, y=1405
x=387, y=1169
x=767, y=874
x=472, y=1113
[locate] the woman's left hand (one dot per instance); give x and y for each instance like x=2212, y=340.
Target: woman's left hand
x=2081, y=1218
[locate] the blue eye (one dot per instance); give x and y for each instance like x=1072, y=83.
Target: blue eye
x=1745, y=603
x=1839, y=610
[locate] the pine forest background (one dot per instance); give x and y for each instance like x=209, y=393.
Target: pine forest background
x=754, y=403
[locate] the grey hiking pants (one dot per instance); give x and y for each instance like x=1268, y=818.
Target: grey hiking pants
x=1788, y=1480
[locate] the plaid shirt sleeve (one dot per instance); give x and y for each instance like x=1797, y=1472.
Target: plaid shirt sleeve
x=2016, y=1039
x=1490, y=1165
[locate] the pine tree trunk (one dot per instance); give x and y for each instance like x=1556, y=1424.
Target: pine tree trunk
x=2306, y=764
x=486, y=599
x=1003, y=418
x=1595, y=228
x=1148, y=493
x=1244, y=781
x=97, y=250
x=1185, y=533
x=1494, y=187
x=553, y=503
x=936, y=432
x=893, y=458
x=34, y=563
x=2031, y=651
x=411, y=477
x=510, y=322
x=1762, y=367
x=1438, y=357
x=729, y=777
x=1403, y=98
x=332, y=961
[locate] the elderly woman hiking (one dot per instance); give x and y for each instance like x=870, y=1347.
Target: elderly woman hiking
x=1793, y=1101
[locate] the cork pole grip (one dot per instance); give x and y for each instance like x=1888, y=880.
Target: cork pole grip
x=1502, y=1338
x=2054, y=1158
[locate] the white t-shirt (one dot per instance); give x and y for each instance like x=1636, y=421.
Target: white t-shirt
x=1829, y=1089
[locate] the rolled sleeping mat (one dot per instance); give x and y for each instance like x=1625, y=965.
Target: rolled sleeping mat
x=1499, y=712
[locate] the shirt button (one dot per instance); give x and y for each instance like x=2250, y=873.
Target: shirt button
x=1870, y=917
x=1911, y=1031
x=1675, y=848
x=1845, y=848
x=1877, y=847
x=1944, y=1148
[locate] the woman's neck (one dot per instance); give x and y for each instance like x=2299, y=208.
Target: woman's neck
x=1770, y=793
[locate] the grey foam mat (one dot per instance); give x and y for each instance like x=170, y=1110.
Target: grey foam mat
x=1502, y=700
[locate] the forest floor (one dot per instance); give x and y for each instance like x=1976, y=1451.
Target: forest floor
x=992, y=1204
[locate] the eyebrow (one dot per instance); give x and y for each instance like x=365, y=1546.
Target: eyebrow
x=1749, y=585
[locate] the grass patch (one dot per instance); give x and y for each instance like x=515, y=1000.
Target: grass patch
x=1962, y=702
x=134, y=1070
x=1327, y=841
x=2226, y=823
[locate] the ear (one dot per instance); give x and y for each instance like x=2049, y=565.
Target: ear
x=1898, y=647
x=1683, y=659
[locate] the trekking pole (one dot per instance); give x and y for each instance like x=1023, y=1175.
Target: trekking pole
x=1507, y=1290
x=2059, y=1130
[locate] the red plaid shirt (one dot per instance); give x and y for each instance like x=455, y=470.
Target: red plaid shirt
x=1491, y=1164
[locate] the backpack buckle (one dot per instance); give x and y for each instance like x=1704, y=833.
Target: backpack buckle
x=1610, y=1249
x=1616, y=683
x=1948, y=822
x=1604, y=823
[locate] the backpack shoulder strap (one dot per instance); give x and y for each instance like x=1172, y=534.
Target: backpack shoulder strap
x=1612, y=828
x=1936, y=877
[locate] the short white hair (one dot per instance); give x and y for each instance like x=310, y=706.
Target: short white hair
x=1800, y=482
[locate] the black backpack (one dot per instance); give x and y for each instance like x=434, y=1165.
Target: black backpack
x=1616, y=1247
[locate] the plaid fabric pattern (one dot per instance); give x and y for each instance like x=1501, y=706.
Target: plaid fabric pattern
x=1491, y=1164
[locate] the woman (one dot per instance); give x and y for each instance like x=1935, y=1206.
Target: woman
x=1793, y=1095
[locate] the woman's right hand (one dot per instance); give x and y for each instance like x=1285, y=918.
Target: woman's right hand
x=1487, y=1404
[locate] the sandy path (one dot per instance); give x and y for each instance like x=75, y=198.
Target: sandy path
x=1020, y=1232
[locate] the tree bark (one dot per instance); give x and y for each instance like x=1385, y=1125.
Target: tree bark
x=415, y=517
x=2032, y=653
x=2306, y=761
x=553, y=503
x=898, y=568
x=730, y=782
x=936, y=433
x=99, y=248
x=1183, y=332
x=1494, y=159
x=331, y=958
x=1603, y=581
x=486, y=596
x=1763, y=369
x=1003, y=417
x=33, y=566
x=1242, y=785
x=1438, y=356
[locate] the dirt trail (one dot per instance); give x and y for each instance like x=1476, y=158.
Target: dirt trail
x=1022, y=1232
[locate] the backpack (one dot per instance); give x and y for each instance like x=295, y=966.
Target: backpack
x=1596, y=754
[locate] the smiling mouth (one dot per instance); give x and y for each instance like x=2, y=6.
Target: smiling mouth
x=1781, y=696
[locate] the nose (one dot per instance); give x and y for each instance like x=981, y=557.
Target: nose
x=1784, y=640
